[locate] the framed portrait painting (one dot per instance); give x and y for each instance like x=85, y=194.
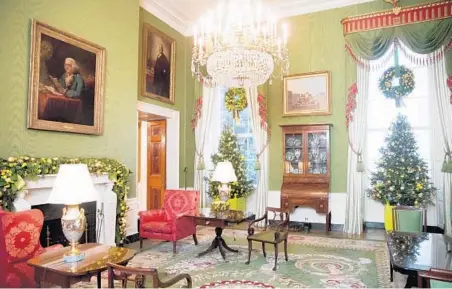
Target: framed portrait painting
x=66, y=82
x=158, y=66
x=307, y=94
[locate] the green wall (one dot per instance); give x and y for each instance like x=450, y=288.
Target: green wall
x=183, y=93
x=316, y=43
x=111, y=24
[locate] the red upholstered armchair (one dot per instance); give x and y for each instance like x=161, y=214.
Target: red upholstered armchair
x=171, y=222
x=19, y=241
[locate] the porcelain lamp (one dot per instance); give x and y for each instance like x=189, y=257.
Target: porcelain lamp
x=73, y=186
x=224, y=173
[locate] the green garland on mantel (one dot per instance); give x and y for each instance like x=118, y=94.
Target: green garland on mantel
x=15, y=170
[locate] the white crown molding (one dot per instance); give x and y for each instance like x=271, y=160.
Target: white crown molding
x=165, y=14
x=290, y=8
x=165, y=10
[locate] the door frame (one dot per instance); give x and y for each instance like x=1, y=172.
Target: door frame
x=172, y=149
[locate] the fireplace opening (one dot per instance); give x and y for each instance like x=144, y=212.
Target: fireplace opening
x=52, y=233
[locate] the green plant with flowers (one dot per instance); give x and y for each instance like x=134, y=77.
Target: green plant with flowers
x=14, y=171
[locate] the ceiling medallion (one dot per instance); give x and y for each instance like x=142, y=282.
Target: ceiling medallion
x=238, y=45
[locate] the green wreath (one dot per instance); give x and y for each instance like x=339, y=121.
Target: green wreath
x=235, y=99
x=405, y=87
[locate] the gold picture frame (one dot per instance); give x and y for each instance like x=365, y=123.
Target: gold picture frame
x=67, y=78
x=156, y=47
x=307, y=94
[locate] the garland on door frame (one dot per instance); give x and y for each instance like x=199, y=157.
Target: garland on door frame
x=15, y=170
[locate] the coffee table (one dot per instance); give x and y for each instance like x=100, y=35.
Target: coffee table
x=221, y=222
x=50, y=267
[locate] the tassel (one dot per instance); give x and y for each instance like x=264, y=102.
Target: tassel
x=201, y=164
x=445, y=166
x=360, y=165
x=449, y=166
x=257, y=165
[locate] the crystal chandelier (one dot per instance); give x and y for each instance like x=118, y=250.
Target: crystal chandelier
x=237, y=45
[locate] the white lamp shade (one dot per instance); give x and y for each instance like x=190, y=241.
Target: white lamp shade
x=224, y=173
x=73, y=186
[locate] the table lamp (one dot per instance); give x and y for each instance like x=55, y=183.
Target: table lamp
x=225, y=174
x=73, y=186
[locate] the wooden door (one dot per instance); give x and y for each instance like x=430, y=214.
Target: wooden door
x=156, y=163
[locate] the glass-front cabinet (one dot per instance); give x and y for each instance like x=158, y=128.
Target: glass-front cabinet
x=306, y=150
x=306, y=168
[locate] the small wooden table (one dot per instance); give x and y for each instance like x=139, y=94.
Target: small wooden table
x=50, y=267
x=235, y=217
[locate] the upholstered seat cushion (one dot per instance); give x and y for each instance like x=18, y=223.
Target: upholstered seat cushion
x=158, y=227
x=268, y=237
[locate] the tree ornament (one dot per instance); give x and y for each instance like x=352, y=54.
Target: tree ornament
x=396, y=83
x=235, y=101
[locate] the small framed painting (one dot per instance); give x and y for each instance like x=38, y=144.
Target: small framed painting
x=307, y=94
x=158, y=67
x=66, y=82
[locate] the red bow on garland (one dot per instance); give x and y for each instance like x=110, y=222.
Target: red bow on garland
x=351, y=104
x=196, y=113
x=263, y=113
x=449, y=84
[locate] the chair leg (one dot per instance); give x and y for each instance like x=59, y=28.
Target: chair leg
x=263, y=250
x=195, y=239
x=276, y=256
x=285, y=250
x=250, y=247
x=174, y=247
x=141, y=243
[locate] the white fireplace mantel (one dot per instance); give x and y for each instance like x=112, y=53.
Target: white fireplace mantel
x=38, y=192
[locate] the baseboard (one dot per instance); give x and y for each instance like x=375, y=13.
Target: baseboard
x=374, y=225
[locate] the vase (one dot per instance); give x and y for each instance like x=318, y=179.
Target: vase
x=389, y=225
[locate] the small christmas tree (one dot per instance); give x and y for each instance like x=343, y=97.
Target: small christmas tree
x=229, y=151
x=401, y=177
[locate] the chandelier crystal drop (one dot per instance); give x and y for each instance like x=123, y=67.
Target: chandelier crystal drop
x=237, y=45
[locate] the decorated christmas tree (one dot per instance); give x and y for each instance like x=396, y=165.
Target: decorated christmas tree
x=401, y=177
x=229, y=151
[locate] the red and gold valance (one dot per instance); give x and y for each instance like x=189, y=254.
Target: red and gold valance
x=398, y=16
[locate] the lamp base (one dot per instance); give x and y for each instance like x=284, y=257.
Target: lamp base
x=73, y=223
x=73, y=258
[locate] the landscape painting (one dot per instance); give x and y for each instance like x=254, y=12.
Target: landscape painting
x=158, y=64
x=66, y=82
x=307, y=94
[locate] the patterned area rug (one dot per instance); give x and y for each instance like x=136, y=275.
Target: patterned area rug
x=313, y=262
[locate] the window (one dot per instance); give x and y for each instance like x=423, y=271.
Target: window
x=244, y=132
x=382, y=112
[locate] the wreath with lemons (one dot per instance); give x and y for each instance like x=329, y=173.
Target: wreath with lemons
x=235, y=101
x=405, y=83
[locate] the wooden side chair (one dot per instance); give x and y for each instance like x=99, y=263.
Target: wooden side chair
x=138, y=277
x=279, y=231
x=435, y=278
x=409, y=219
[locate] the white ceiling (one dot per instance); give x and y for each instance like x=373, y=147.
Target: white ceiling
x=182, y=14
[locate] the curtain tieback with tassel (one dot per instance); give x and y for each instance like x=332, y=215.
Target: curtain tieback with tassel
x=447, y=163
x=360, y=164
x=201, y=164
